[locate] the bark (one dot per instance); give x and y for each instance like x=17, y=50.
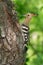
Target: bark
x=11, y=40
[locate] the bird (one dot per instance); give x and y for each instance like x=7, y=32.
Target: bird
x=25, y=27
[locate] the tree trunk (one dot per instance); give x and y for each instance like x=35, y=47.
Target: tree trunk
x=11, y=40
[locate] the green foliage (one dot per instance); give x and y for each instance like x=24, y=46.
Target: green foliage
x=22, y=7
x=35, y=47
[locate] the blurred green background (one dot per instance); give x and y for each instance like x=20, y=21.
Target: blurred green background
x=35, y=46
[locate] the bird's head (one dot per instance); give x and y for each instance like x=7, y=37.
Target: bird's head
x=28, y=17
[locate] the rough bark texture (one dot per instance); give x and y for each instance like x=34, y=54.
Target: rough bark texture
x=12, y=45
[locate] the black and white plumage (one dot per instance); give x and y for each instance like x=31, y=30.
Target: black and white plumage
x=25, y=32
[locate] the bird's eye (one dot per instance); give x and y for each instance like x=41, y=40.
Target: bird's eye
x=28, y=14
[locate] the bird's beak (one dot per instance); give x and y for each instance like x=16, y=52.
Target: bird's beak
x=24, y=15
x=30, y=14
